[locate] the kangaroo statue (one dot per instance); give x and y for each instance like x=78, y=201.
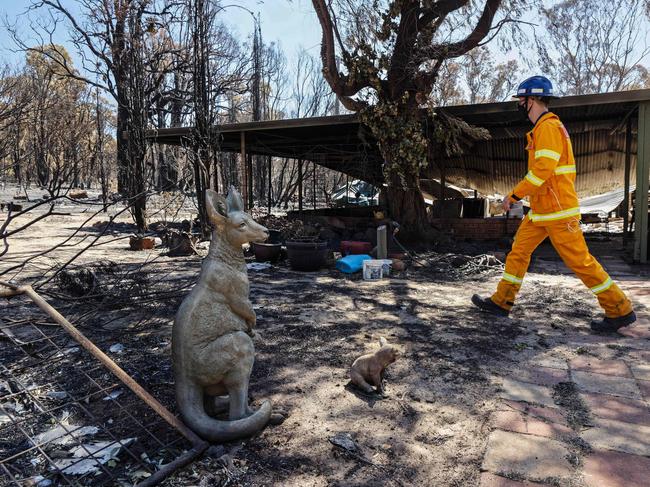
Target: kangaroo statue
x=212, y=346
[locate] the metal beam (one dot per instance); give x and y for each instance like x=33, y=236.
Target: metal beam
x=269, y=160
x=249, y=189
x=626, y=183
x=242, y=148
x=642, y=177
x=300, y=186
x=313, y=184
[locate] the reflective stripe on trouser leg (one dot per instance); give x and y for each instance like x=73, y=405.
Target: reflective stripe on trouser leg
x=574, y=252
x=527, y=239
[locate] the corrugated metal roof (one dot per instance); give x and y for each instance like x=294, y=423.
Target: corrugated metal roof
x=495, y=166
x=595, y=122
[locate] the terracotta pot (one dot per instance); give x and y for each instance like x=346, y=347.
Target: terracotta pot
x=307, y=256
x=141, y=243
x=266, y=252
x=397, y=255
x=181, y=243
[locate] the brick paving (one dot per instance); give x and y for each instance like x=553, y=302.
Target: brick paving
x=619, y=436
x=596, y=366
x=518, y=422
x=491, y=480
x=523, y=391
x=534, y=457
x=543, y=376
x=531, y=439
x=614, y=469
x=618, y=408
x=606, y=384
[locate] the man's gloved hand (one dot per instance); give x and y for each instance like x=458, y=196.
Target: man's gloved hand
x=507, y=203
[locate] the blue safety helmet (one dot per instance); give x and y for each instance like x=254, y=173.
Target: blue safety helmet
x=535, y=86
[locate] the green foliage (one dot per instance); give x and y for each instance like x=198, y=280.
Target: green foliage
x=402, y=142
x=399, y=128
x=390, y=68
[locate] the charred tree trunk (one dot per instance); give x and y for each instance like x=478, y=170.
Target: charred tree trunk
x=136, y=124
x=16, y=155
x=406, y=207
x=123, y=170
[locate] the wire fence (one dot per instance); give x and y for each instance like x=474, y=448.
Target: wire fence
x=65, y=419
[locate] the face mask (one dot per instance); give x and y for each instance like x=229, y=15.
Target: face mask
x=524, y=111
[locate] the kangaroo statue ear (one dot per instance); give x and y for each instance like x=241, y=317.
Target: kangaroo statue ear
x=216, y=206
x=235, y=201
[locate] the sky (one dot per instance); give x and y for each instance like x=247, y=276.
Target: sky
x=292, y=23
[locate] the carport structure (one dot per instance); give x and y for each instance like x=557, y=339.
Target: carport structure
x=610, y=133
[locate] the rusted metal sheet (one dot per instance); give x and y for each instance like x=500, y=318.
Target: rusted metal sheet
x=495, y=166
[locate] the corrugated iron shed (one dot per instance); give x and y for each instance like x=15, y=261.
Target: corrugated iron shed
x=597, y=124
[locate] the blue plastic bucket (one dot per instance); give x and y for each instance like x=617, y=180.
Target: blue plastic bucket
x=351, y=263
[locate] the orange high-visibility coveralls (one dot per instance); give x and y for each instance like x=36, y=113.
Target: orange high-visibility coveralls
x=554, y=213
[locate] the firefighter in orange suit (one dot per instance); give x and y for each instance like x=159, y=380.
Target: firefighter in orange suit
x=554, y=213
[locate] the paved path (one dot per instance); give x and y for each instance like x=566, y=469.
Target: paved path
x=581, y=418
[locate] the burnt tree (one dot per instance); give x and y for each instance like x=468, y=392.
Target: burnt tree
x=115, y=40
x=382, y=59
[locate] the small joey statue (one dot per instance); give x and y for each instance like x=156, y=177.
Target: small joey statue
x=212, y=346
x=368, y=370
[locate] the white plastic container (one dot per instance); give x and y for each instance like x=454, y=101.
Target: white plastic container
x=386, y=267
x=372, y=270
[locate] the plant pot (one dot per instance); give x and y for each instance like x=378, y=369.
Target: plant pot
x=354, y=247
x=275, y=237
x=307, y=255
x=266, y=252
x=141, y=243
x=396, y=255
x=181, y=243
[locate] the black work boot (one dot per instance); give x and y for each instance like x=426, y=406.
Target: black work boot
x=486, y=304
x=613, y=324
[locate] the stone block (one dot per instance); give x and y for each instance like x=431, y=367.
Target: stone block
x=614, y=469
x=523, y=391
x=598, y=366
x=641, y=371
x=490, y=480
x=618, y=408
x=533, y=457
x=637, y=330
x=543, y=376
x=551, y=362
x=616, y=435
x=552, y=415
x=518, y=422
x=606, y=384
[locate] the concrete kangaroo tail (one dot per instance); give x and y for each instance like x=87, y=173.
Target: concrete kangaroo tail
x=190, y=402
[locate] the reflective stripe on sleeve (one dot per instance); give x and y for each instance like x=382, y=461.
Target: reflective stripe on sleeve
x=551, y=154
x=570, y=169
x=603, y=286
x=532, y=179
x=511, y=278
x=558, y=215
